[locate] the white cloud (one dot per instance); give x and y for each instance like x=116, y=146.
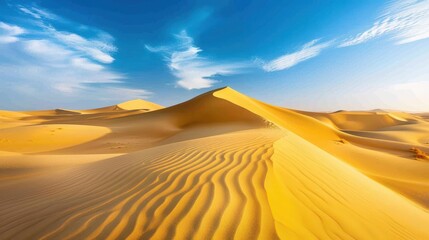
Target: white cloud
x=46, y=49
x=45, y=64
x=9, y=33
x=86, y=64
x=51, y=68
x=192, y=70
x=405, y=20
x=308, y=50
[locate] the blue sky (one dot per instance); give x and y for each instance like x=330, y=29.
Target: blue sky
x=310, y=55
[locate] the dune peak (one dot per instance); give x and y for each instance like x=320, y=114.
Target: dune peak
x=225, y=89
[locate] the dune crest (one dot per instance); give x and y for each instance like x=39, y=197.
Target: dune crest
x=219, y=166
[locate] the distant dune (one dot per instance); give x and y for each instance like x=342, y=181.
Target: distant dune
x=136, y=104
x=219, y=166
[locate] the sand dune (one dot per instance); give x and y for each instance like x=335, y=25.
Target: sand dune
x=219, y=166
x=424, y=116
x=136, y=104
x=53, y=112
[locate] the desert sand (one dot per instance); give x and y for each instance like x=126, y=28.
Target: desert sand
x=219, y=166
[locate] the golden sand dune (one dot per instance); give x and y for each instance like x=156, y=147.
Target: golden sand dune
x=219, y=166
x=54, y=112
x=136, y=104
x=139, y=104
x=12, y=115
x=424, y=116
x=48, y=137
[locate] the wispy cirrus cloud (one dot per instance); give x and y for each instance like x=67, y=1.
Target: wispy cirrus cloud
x=99, y=47
x=404, y=20
x=288, y=60
x=39, y=60
x=9, y=33
x=37, y=12
x=192, y=70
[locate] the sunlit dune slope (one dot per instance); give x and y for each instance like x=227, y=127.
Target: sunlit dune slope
x=385, y=159
x=42, y=138
x=219, y=166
